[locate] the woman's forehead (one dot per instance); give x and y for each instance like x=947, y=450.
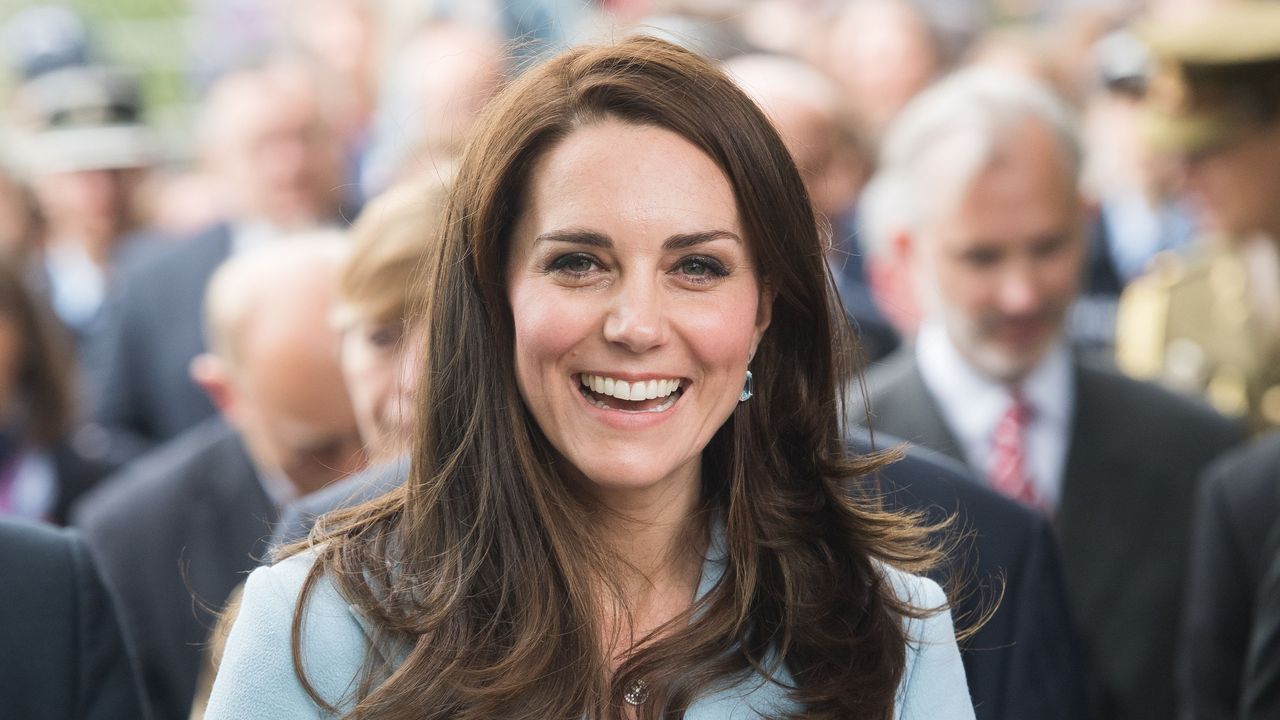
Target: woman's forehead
x=643, y=176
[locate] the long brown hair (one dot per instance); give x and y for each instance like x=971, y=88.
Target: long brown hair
x=43, y=387
x=479, y=573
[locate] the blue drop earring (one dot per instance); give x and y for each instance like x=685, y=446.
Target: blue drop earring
x=746, y=389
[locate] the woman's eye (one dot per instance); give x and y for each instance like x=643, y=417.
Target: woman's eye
x=702, y=268
x=574, y=264
x=384, y=334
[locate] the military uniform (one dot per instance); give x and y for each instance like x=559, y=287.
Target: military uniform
x=1210, y=324
x=1198, y=326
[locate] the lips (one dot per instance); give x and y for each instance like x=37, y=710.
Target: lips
x=651, y=395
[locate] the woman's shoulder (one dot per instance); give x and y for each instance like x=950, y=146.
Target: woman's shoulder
x=256, y=678
x=290, y=573
x=332, y=624
x=933, y=685
x=915, y=590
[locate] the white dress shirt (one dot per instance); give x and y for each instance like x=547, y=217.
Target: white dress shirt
x=972, y=404
x=77, y=285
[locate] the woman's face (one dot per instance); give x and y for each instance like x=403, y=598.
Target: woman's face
x=629, y=270
x=378, y=367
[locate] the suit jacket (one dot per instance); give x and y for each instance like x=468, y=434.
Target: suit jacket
x=174, y=533
x=138, y=353
x=63, y=655
x=1123, y=522
x=1025, y=661
x=1260, y=699
x=297, y=518
x=77, y=473
x=1235, y=539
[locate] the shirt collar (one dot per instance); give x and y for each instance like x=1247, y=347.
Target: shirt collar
x=972, y=402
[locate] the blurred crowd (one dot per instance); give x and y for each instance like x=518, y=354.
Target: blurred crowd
x=1054, y=227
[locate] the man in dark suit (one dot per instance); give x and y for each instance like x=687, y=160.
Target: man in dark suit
x=1260, y=694
x=269, y=148
x=175, y=531
x=979, y=177
x=63, y=655
x=1025, y=661
x=1235, y=541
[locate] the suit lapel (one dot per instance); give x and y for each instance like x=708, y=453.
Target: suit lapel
x=903, y=406
x=232, y=527
x=1102, y=495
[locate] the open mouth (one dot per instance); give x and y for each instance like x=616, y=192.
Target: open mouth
x=640, y=396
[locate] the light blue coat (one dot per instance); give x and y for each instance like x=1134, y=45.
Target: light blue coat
x=257, y=681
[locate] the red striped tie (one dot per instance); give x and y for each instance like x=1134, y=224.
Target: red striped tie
x=1008, y=468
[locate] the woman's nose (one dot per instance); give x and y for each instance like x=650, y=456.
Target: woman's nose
x=636, y=319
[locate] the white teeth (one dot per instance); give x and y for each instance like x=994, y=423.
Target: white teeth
x=633, y=391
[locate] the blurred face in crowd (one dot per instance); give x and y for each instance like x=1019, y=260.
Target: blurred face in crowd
x=1238, y=183
x=802, y=104
x=450, y=72
x=379, y=364
x=1001, y=267
x=297, y=419
x=275, y=376
x=94, y=207
x=804, y=107
x=272, y=148
x=882, y=53
x=635, y=302
x=832, y=172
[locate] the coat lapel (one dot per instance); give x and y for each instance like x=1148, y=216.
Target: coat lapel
x=901, y=405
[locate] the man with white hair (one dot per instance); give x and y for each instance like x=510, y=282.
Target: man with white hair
x=976, y=212
x=176, y=531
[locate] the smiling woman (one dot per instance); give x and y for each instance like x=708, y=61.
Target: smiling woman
x=601, y=519
x=636, y=306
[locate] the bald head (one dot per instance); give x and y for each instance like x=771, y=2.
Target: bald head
x=273, y=370
x=260, y=300
x=805, y=107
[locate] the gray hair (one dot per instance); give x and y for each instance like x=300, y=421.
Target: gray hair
x=945, y=137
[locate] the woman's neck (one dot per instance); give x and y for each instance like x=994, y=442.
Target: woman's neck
x=651, y=528
x=659, y=540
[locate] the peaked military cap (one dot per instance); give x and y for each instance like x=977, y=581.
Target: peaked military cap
x=1217, y=73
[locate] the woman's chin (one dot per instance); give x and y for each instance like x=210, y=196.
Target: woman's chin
x=613, y=479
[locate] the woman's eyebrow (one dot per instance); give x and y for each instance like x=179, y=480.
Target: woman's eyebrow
x=687, y=240
x=577, y=237
x=594, y=238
